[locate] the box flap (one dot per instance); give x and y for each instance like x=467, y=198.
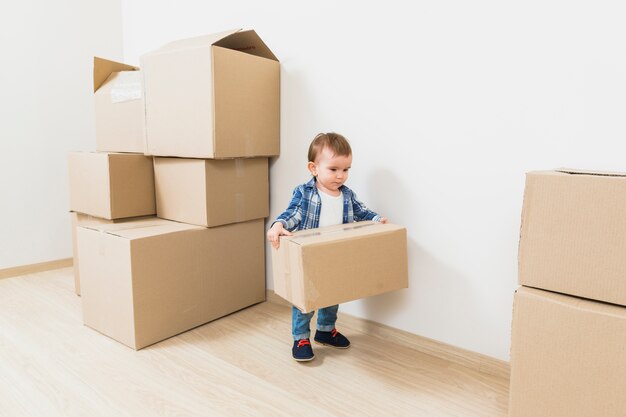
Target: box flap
x=102, y=69
x=248, y=42
x=195, y=42
x=590, y=172
x=243, y=41
x=121, y=224
x=141, y=228
x=340, y=232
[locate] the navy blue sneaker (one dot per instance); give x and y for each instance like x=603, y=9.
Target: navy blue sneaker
x=332, y=338
x=302, y=350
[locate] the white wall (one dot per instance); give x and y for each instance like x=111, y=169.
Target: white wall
x=447, y=104
x=46, y=109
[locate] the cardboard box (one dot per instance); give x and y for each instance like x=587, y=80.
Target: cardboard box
x=211, y=192
x=148, y=280
x=330, y=265
x=119, y=107
x=568, y=356
x=573, y=234
x=111, y=185
x=214, y=96
x=81, y=219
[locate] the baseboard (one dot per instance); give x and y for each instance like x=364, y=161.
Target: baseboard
x=472, y=360
x=33, y=268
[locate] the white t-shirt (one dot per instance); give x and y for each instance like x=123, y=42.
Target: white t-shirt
x=332, y=209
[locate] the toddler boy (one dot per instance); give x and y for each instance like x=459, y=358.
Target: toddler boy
x=323, y=201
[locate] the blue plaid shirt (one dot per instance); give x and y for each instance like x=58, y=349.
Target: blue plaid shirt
x=305, y=206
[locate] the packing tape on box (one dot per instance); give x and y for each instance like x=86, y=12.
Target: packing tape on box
x=112, y=228
x=240, y=207
x=350, y=226
x=240, y=167
x=125, y=89
x=249, y=146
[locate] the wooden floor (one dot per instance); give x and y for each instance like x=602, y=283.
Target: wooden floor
x=240, y=365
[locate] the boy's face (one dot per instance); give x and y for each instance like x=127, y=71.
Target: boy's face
x=330, y=170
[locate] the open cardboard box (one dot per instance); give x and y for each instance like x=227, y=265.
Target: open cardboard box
x=213, y=96
x=119, y=107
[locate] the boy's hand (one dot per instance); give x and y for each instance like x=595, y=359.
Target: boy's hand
x=276, y=231
x=384, y=220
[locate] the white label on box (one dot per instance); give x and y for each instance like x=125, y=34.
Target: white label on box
x=125, y=89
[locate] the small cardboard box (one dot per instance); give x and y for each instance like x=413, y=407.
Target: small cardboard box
x=573, y=234
x=214, y=96
x=568, y=356
x=211, y=192
x=148, y=280
x=330, y=265
x=111, y=185
x=119, y=107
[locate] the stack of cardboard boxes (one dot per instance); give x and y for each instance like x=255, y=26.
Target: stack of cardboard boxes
x=168, y=213
x=568, y=353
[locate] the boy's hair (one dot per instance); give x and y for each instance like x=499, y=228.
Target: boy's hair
x=333, y=141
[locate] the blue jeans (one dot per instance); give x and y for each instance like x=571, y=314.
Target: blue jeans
x=326, y=318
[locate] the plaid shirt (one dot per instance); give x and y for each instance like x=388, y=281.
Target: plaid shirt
x=305, y=206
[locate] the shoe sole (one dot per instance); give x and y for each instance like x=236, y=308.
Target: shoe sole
x=328, y=344
x=304, y=360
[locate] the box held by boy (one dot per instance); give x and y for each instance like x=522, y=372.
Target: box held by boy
x=321, y=267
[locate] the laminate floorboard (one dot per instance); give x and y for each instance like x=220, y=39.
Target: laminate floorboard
x=239, y=365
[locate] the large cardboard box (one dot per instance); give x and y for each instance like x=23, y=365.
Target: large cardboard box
x=573, y=234
x=214, y=96
x=568, y=357
x=148, y=280
x=81, y=219
x=330, y=265
x=111, y=185
x=211, y=192
x=119, y=107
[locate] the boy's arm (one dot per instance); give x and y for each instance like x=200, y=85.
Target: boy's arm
x=362, y=213
x=287, y=221
x=292, y=216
